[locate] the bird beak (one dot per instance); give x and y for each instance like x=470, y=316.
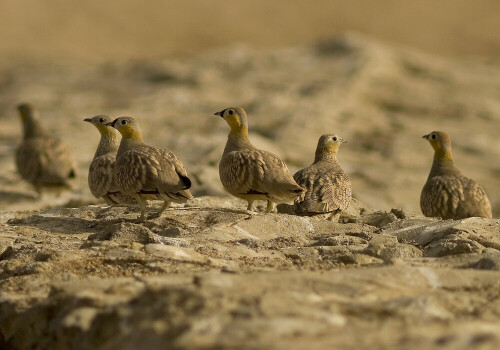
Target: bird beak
x=220, y=113
x=343, y=141
x=112, y=124
x=88, y=120
x=425, y=136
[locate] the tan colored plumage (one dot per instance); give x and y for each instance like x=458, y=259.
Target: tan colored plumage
x=101, y=172
x=250, y=173
x=328, y=188
x=41, y=159
x=146, y=172
x=448, y=193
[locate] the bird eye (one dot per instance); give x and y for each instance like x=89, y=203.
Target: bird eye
x=101, y=120
x=335, y=138
x=124, y=122
x=230, y=112
x=433, y=136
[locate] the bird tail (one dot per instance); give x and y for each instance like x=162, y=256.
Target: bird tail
x=177, y=197
x=186, y=181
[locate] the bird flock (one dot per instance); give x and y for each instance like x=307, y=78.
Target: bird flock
x=126, y=171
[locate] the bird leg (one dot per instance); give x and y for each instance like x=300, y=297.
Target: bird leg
x=270, y=207
x=38, y=190
x=166, y=205
x=108, y=201
x=250, y=205
x=139, y=200
x=334, y=217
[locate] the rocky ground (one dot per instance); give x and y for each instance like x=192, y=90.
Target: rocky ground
x=211, y=275
x=74, y=274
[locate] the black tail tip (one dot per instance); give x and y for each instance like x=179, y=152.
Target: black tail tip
x=187, y=181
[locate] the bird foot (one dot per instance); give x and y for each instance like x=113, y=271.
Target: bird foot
x=270, y=207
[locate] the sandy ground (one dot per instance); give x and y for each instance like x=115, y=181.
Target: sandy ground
x=74, y=274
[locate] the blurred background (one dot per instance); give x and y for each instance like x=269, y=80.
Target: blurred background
x=379, y=73
x=97, y=30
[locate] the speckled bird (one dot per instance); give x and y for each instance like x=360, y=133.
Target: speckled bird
x=42, y=159
x=145, y=172
x=328, y=188
x=448, y=193
x=101, y=172
x=250, y=173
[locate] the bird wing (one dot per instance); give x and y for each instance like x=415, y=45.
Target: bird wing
x=48, y=161
x=454, y=197
x=257, y=172
x=476, y=203
x=101, y=175
x=172, y=176
x=28, y=161
x=326, y=190
x=151, y=171
x=58, y=161
x=440, y=196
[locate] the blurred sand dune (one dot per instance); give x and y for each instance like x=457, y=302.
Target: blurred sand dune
x=96, y=30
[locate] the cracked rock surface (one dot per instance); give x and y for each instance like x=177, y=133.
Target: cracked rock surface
x=211, y=275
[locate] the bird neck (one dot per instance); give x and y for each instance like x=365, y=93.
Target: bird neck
x=240, y=131
x=237, y=142
x=325, y=156
x=132, y=134
x=109, y=144
x=33, y=128
x=128, y=144
x=443, y=164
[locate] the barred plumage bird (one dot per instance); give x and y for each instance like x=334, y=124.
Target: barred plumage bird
x=448, y=193
x=250, y=173
x=101, y=171
x=145, y=172
x=42, y=159
x=328, y=188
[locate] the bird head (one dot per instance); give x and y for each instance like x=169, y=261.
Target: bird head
x=100, y=121
x=440, y=142
x=26, y=112
x=31, y=124
x=127, y=126
x=236, y=118
x=329, y=144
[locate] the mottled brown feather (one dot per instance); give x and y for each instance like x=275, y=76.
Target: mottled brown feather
x=45, y=162
x=146, y=171
x=254, y=172
x=250, y=173
x=156, y=172
x=101, y=171
x=448, y=193
x=101, y=175
x=328, y=188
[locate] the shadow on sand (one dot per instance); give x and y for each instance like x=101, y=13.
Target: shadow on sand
x=12, y=196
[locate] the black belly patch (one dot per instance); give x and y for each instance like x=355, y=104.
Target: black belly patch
x=149, y=192
x=257, y=192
